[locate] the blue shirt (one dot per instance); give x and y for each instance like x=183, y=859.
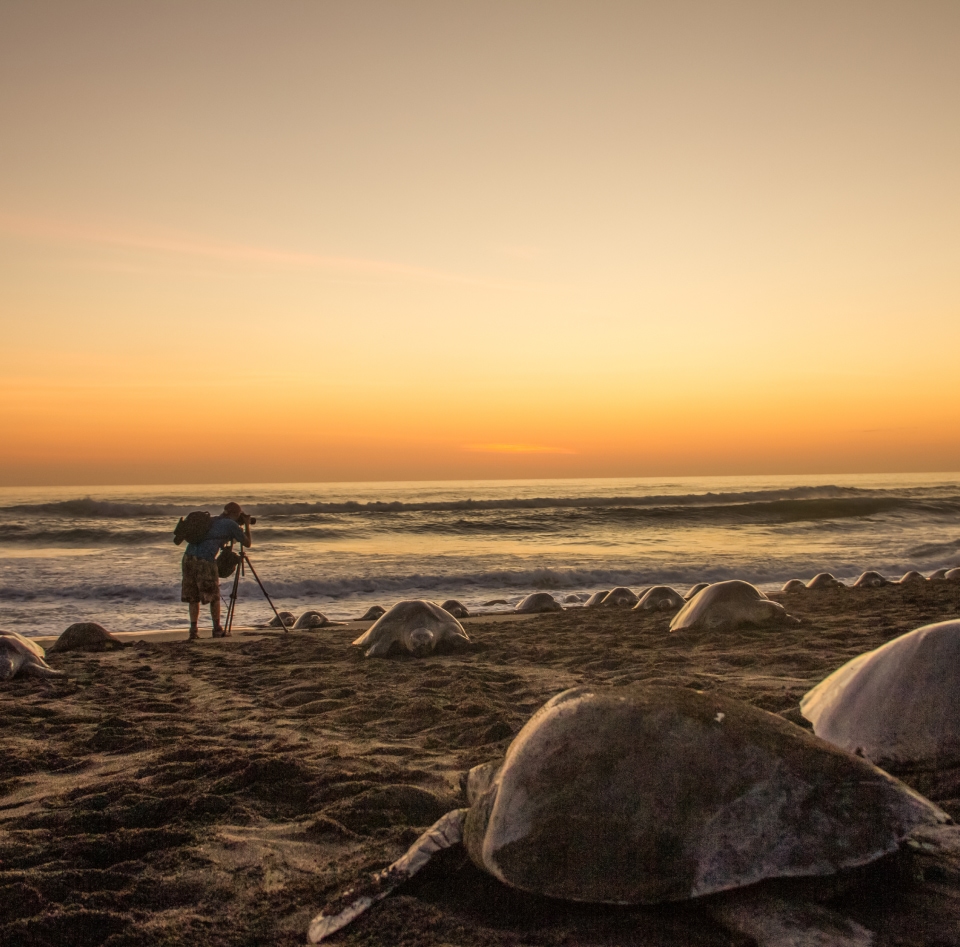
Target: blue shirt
x=222, y=530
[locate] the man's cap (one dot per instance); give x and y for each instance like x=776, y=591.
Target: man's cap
x=232, y=509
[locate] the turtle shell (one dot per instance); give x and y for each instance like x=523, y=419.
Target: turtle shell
x=953, y=575
x=824, y=580
x=594, y=600
x=727, y=605
x=86, y=636
x=794, y=585
x=620, y=597
x=870, y=580
x=660, y=597
x=699, y=587
x=373, y=612
x=311, y=619
x=539, y=602
x=638, y=795
x=414, y=626
x=911, y=578
x=456, y=608
x=898, y=704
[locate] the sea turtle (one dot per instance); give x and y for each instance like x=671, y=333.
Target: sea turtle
x=414, y=626
x=689, y=594
x=620, y=597
x=537, y=602
x=289, y=620
x=495, y=601
x=911, y=578
x=457, y=609
x=870, y=580
x=898, y=704
x=19, y=655
x=937, y=575
x=645, y=794
x=824, y=580
x=86, y=636
x=727, y=605
x=313, y=619
x=594, y=600
x=660, y=598
x=373, y=613
x=571, y=599
x=953, y=575
x=794, y=585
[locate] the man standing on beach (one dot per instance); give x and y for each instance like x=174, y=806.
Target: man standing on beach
x=201, y=583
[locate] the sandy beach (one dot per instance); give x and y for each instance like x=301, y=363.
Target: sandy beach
x=221, y=792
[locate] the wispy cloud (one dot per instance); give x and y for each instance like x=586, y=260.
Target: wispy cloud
x=225, y=252
x=515, y=449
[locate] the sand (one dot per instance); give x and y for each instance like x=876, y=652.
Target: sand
x=221, y=792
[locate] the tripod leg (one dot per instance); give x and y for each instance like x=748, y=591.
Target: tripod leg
x=228, y=624
x=265, y=593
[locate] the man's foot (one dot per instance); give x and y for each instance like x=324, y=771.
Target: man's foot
x=219, y=633
x=194, y=634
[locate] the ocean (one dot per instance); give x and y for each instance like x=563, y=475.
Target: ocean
x=106, y=554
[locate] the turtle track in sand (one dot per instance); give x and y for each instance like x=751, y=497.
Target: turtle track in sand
x=219, y=792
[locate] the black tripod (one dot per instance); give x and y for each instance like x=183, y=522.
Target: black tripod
x=232, y=606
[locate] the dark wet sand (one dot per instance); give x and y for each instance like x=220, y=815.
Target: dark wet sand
x=221, y=792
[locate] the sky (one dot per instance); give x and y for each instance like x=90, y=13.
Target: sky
x=308, y=241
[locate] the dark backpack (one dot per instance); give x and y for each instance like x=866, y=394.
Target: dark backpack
x=193, y=528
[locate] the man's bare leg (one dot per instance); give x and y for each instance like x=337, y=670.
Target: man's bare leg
x=215, y=615
x=194, y=618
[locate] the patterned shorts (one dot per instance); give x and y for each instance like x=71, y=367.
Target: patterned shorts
x=200, y=580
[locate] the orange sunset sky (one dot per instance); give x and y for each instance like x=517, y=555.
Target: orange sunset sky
x=304, y=241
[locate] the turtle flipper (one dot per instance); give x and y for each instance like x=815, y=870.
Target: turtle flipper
x=39, y=668
x=444, y=833
x=777, y=922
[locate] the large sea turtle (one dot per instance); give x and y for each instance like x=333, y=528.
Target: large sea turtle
x=659, y=598
x=644, y=794
x=953, y=575
x=825, y=580
x=289, y=620
x=620, y=597
x=19, y=655
x=937, y=575
x=689, y=594
x=870, y=580
x=372, y=613
x=911, y=578
x=594, y=600
x=794, y=585
x=727, y=605
x=457, y=609
x=86, y=636
x=537, y=602
x=572, y=599
x=414, y=626
x=898, y=705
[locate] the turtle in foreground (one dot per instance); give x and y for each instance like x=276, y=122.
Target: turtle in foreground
x=659, y=598
x=313, y=619
x=898, y=705
x=537, y=602
x=620, y=597
x=699, y=587
x=19, y=655
x=911, y=578
x=457, y=609
x=794, y=585
x=594, y=600
x=727, y=605
x=825, y=580
x=86, y=636
x=870, y=580
x=289, y=620
x=373, y=613
x=414, y=626
x=643, y=795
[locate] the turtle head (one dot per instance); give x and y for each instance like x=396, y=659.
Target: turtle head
x=420, y=641
x=9, y=664
x=479, y=779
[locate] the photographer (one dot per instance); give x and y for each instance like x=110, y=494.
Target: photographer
x=200, y=580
